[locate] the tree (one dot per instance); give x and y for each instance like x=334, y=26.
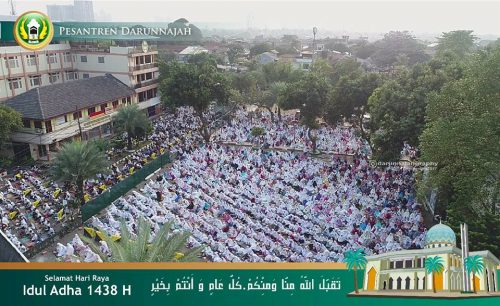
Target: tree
x=310, y=96
x=131, y=120
x=396, y=44
x=397, y=108
x=166, y=246
x=355, y=260
x=76, y=162
x=349, y=99
x=10, y=120
x=257, y=132
x=234, y=52
x=197, y=85
x=435, y=266
x=474, y=264
x=460, y=42
x=260, y=48
x=461, y=136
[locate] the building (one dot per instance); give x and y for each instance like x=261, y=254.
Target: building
x=189, y=51
x=57, y=113
x=80, y=10
x=135, y=64
x=405, y=269
x=266, y=58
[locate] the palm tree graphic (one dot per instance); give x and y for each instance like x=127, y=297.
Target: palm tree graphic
x=355, y=260
x=475, y=265
x=435, y=266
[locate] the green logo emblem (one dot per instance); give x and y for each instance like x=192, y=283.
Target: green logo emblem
x=33, y=30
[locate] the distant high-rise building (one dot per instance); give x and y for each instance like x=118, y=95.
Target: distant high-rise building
x=80, y=10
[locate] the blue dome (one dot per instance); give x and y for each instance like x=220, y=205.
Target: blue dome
x=440, y=234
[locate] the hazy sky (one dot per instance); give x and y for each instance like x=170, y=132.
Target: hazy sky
x=352, y=16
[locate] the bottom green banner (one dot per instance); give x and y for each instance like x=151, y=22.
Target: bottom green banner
x=211, y=287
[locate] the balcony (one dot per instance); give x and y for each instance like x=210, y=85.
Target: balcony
x=144, y=66
x=145, y=83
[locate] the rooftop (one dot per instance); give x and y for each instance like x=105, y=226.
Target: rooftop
x=58, y=99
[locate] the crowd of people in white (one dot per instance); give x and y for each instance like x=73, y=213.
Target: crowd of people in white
x=254, y=205
x=30, y=200
x=249, y=204
x=289, y=133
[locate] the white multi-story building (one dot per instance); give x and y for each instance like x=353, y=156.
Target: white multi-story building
x=80, y=10
x=135, y=65
x=21, y=71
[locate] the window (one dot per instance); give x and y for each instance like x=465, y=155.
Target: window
x=48, y=126
x=100, y=59
x=35, y=80
x=86, y=76
x=148, y=59
x=62, y=120
x=148, y=94
x=12, y=62
x=38, y=125
x=399, y=264
x=103, y=107
x=54, y=77
x=51, y=58
x=27, y=123
x=67, y=57
x=31, y=60
x=408, y=263
x=71, y=75
x=91, y=111
x=83, y=58
x=391, y=265
x=15, y=83
x=115, y=104
x=129, y=100
x=77, y=115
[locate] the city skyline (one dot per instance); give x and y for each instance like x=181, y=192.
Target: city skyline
x=363, y=17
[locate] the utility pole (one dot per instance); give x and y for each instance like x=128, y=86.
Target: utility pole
x=315, y=30
x=79, y=125
x=12, y=8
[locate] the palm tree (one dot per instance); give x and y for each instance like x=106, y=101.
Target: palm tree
x=434, y=265
x=355, y=260
x=76, y=162
x=164, y=247
x=133, y=121
x=475, y=265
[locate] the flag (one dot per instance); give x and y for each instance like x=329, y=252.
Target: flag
x=103, y=187
x=27, y=191
x=13, y=214
x=36, y=203
x=132, y=170
x=178, y=255
x=60, y=214
x=116, y=237
x=153, y=155
x=86, y=198
x=19, y=176
x=90, y=231
x=57, y=192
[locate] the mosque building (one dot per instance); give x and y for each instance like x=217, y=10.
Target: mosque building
x=405, y=269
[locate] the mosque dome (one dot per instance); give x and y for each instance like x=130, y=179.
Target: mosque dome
x=440, y=235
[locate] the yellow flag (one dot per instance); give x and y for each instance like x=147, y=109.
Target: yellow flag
x=100, y=235
x=153, y=155
x=162, y=150
x=57, y=192
x=60, y=214
x=178, y=255
x=19, y=176
x=27, y=191
x=103, y=187
x=132, y=170
x=116, y=237
x=90, y=231
x=13, y=214
x=86, y=198
x=36, y=203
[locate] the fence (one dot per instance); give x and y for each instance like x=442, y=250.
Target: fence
x=94, y=206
